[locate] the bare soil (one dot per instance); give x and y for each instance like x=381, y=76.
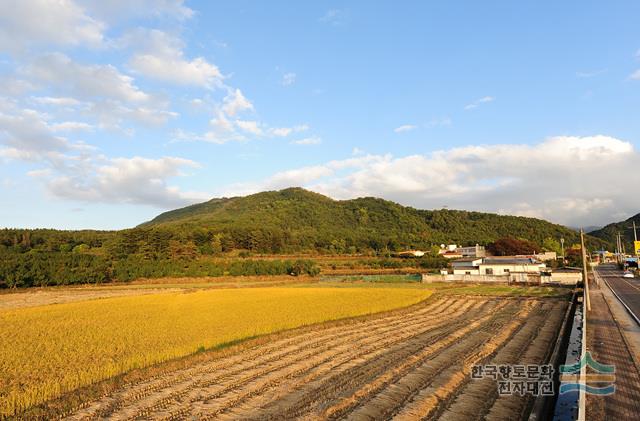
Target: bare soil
x=32, y=297
x=45, y=296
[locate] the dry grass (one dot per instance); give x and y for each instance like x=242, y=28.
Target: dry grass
x=49, y=350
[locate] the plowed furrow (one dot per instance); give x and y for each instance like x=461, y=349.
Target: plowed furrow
x=515, y=407
x=224, y=371
x=350, y=354
x=444, y=386
x=384, y=396
x=315, y=396
x=215, y=398
x=475, y=399
x=256, y=356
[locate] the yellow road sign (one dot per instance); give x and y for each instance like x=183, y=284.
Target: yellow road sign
x=637, y=246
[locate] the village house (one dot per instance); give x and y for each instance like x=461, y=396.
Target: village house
x=497, y=266
x=452, y=251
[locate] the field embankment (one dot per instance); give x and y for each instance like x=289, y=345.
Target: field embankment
x=49, y=350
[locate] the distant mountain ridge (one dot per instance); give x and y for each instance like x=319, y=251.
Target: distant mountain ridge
x=301, y=219
x=609, y=232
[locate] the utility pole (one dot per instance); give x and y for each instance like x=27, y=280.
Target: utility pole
x=584, y=270
x=635, y=240
x=562, y=246
x=618, y=248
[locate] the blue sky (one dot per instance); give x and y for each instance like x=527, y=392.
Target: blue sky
x=111, y=112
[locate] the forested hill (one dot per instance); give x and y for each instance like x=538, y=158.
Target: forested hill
x=609, y=232
x=217, y=237
x=297, y=219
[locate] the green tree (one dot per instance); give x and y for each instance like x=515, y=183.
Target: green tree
x=551, y=244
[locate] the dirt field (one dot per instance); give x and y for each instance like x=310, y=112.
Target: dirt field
x=46, y=296
x=412, y=364
x=33, y=297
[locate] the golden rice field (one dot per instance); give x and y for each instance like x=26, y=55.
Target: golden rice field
x=48, y=350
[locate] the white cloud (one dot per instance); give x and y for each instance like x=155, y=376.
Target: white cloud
x=281, y=131
x=288, y=79
x=119, y=10
x=566, y=179
x=308, y=141
x=60, y=22
x=235, y=102
x=249, y=126
x=197, y=102
x=14, y=87
x=58, y=101
x=60, y=73
x=128, y=180
x=286, y=131
x=478, y=102
x=74, y=170
x=27, y=136
x=114, y=115
x=635, y=75
x=221, y=123
x=405, y=128
x=212, y=136
x=159, y=55
x=70, y=126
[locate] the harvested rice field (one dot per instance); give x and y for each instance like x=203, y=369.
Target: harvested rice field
x=50, y=350
x=407, y=364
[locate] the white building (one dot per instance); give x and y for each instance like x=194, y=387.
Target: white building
x=473, y=251
x=497, y=266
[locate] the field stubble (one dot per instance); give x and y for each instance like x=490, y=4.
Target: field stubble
x=49, y=350
x=409, y=365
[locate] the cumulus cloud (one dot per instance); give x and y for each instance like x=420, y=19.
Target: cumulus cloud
x=70, y=126
x=478, y=102
x=134, y=180
x=99, y=92
x=59, y=72
x=566, y=179
x=77, y=171
x=57, y=101
x=25, y=134
x=405, y=128
x=115, y=116
x=286, y=131
x=235, y=102
x=250, y=126
x=226, y=125
x=62, y=22
x=159, y=55
x=14, y=87
x=118, y=10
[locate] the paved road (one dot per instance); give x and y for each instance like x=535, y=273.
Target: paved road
x=628, y=289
